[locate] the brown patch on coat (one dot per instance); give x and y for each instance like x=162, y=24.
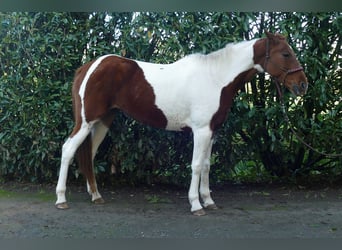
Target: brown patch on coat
x=186, y=129
x=259, y=51
x=119, y=83
x=227, y=95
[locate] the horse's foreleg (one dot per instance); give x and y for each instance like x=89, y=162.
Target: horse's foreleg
x=204, y=185
x=98, y=133
x=68, y=151
x=202, y=142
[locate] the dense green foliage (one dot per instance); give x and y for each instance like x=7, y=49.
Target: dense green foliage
x=39, y=53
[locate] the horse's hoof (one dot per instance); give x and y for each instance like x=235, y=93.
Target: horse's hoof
x=199, y=212
x=99, y=201
x=62, y=206
x=212, y=207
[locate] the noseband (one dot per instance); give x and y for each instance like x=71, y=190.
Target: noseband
x=284, y=70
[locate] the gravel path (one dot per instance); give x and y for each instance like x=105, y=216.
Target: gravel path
x=28, y=211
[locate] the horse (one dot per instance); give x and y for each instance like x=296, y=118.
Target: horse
x=193, y=94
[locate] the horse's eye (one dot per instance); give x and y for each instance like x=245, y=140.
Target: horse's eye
x=286, y=54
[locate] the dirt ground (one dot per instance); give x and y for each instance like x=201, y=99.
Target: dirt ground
x=27, y=211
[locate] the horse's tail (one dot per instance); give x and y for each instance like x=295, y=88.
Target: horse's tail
x=84, y=159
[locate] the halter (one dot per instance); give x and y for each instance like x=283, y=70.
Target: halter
x=284, y=70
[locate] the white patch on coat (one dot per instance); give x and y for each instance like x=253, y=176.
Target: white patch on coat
x=188, y=91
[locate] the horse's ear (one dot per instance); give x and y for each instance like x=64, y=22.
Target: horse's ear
x=269, y=34
x=273, y=37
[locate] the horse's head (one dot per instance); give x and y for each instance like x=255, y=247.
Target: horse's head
x=281, y=63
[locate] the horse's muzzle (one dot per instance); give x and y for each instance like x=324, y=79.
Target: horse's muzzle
x=299, y=89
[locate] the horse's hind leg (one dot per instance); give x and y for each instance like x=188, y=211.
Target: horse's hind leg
x=68, y=151
x=98, y=133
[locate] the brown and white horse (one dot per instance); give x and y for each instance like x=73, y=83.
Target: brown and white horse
x=194, y=93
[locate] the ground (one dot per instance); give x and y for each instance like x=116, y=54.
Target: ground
x=27, y=211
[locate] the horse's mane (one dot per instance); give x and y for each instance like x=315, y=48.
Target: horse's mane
x=226, y=53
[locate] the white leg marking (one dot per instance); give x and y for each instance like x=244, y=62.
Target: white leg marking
x=96, y=195
x=88, y=188
x=68, y=152
x=204, y=186
x=202, y=141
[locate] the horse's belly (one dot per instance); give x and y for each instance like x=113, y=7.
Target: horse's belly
x=177, y=115
x=184, y=113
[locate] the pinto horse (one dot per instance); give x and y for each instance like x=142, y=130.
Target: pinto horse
x=194, y=93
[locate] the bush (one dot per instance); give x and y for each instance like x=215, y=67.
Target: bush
x=41, y=51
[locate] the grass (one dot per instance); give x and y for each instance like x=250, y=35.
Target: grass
x=41, y=195
x=154, y=199
x=6, y=194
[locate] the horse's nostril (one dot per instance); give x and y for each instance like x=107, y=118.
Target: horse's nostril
x=303, y=85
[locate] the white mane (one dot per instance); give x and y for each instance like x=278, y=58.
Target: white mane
x=230, y=50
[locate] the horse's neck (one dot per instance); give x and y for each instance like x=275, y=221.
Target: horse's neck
x=228, y=63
